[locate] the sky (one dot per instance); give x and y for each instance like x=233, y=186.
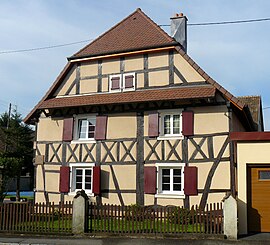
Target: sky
x=237, y=55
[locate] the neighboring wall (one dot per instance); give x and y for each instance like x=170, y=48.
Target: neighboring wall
x=248, y=153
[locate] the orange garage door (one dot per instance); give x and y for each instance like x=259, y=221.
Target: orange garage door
x=258, y=199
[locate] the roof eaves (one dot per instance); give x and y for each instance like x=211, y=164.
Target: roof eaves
x=123, y=51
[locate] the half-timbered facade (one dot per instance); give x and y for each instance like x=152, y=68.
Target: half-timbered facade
x=133, y=119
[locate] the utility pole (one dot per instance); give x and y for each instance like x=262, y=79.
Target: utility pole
x=8, y=121
x=9, y=114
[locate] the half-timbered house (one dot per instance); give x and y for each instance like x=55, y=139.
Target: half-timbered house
x=133, y=119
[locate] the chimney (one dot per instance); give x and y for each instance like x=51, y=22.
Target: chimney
x=179, y=29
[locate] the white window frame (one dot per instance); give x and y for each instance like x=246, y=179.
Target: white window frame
x=110, y=83
x=73, y=167
x=122, y=82
x=164, y=113
x=76, y=132
x=171, y=193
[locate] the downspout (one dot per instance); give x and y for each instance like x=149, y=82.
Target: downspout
x=231, y=151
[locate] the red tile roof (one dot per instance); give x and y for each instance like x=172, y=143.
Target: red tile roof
x=131, y=97
x=136, y=32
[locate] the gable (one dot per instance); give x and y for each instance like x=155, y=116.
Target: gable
x=156, y=61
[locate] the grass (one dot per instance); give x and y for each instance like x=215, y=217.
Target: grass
x=145, y=226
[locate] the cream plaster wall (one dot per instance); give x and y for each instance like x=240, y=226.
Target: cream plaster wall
x=158, y=60
x=88, y=86
x=122, y=126
x=158, y=78
x=210, y=119
x=89, y=69
x=186, y=70
x=248, y=153
x=50, y=129
x=133, y=63
x=66, y=83
x=111, y=66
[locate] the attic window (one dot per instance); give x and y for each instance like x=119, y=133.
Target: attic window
x=122, y=82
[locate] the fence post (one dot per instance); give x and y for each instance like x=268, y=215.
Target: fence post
x=230, y=218
x=79, y=213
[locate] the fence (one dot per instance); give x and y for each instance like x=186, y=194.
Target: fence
x=154, y=220
x=39, y=217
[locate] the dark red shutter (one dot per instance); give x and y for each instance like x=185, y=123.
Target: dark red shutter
x=150, y=180
x=153, y=119
x=129, y=81
x=115, y=83
x=188, y=123
x=64, y=179
x=101, y=127
x=96, y=180
x=191, y=181
x=68, y=129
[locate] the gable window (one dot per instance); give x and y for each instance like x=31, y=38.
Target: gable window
x=81, y=177
x=122, y=82
x=170, y=123
x=170, y=180
x=85, y=128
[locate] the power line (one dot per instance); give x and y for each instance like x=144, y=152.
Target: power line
x=41, y=48
x=226, y=22
x=83, y=41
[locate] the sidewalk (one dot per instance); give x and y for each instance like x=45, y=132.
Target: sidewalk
x=263, y=238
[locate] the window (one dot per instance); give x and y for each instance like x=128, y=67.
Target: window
x=170, y=180
x=85, y=128
x=125, y=82
x=81, y=177
x=170, y=123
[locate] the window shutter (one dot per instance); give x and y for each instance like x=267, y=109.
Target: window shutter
x=190, y=181
x=68, y=129
x=153, y=119
x=64, y=179
x=129, y=81
x=150, y=180
x=101, y=127
x=96, y=180
x=188, y=123
x=115, y=83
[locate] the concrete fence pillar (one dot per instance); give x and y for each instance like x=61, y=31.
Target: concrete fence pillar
x=79, y=213
x=230, y=218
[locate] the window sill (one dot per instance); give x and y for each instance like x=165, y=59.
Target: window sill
x=90, y=194
x=83, y=141
x=170, y=137
x=170, y=196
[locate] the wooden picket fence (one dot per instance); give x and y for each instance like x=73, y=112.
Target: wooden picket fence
x=154, y=220
x=38, y=218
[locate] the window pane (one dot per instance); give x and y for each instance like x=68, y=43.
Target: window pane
x=79, y=179
x=177, y=187
x=91, y=128
x=78, y=185
x=78, y=171
x=177, y=172
x=88, y=186
x=176, y=124
x=82, y=128
x=165, y=187
x=167, y=124
x=88, y=172
x=264, y=175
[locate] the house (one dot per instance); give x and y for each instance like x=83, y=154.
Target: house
x=133, y=119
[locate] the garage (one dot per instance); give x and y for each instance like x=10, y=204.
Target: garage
x=258, y=198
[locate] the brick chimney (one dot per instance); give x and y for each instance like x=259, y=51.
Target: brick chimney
x=179, y=29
